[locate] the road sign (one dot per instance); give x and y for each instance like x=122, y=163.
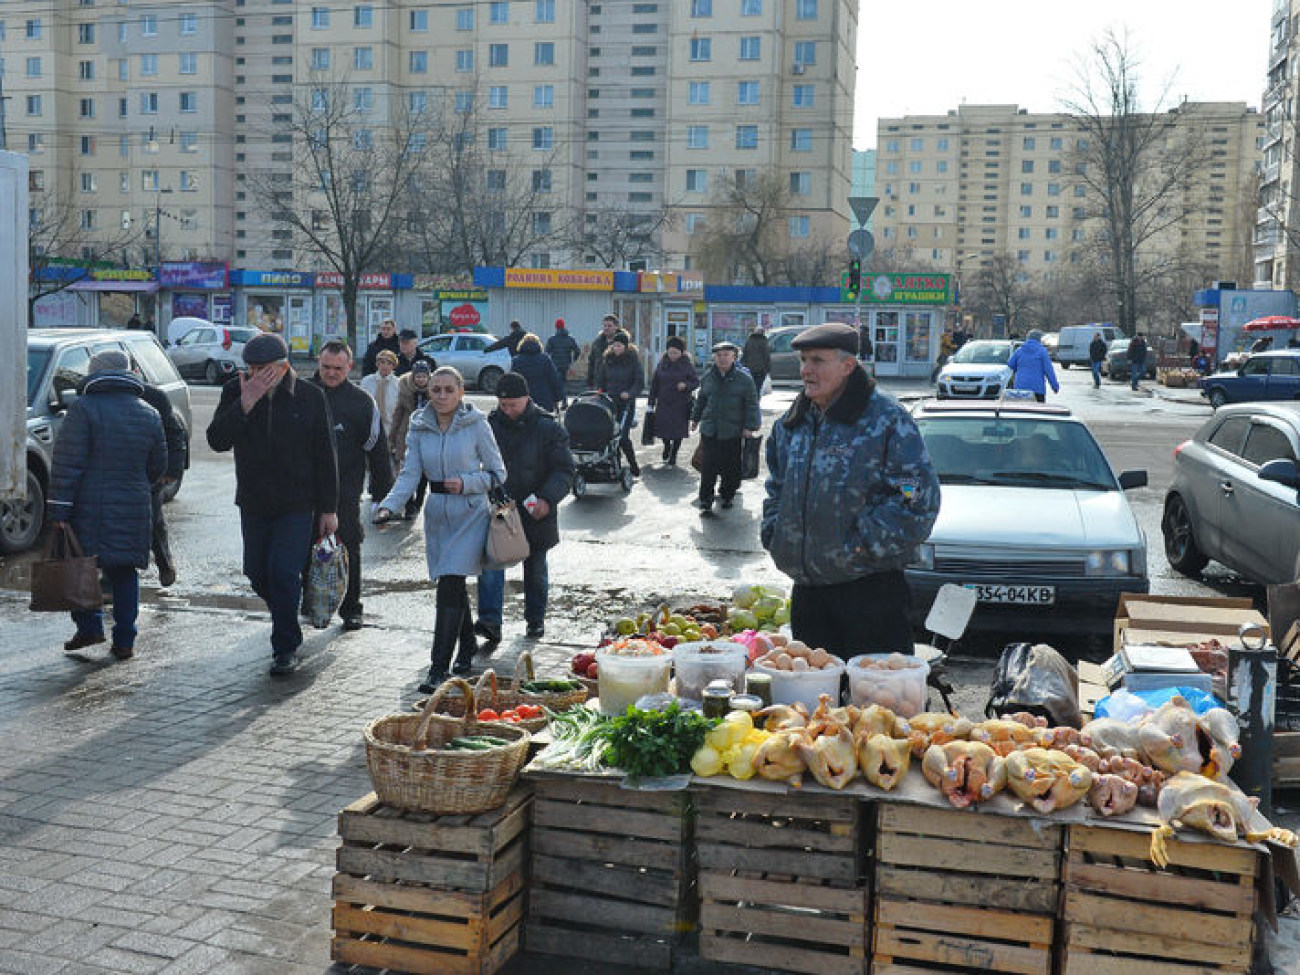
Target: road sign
x=861, y=243
x=863, y=207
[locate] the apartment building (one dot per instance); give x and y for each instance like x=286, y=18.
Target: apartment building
x=133, y=109
x=987, y=180
x=1276, y=243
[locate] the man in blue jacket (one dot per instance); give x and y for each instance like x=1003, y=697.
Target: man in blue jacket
x=851, y=493
x=1032, y=365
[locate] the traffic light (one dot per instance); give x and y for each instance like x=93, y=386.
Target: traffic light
x=855, y=275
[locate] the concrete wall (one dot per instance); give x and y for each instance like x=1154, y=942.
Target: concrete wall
x=13, y=324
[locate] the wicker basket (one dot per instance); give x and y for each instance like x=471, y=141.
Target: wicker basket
x=556, y=701
x=410, y=770
x=486, y=695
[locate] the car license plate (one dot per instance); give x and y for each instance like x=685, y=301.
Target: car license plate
x=1015, y=595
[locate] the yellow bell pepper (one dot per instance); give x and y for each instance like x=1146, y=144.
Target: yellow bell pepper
x=706, y=761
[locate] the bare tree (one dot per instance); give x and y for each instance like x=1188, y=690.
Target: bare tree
x=1003, y=287
x=745, y=238
x=614, y=237
x=352, y=168
x=1135, y=164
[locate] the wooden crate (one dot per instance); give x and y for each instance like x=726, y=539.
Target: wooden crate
x=962, y=890
x=422, y=893
x=781, y=881
x=1286, y=759
x=1122, y=915
x=611, y=872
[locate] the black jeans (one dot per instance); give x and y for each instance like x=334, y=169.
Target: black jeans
x=721, y=460
x=867, y=615
x=160, y=542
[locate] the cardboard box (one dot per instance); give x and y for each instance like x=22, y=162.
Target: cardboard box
x=1155, y=618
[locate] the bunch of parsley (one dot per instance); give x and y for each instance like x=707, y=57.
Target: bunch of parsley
x=653, y=743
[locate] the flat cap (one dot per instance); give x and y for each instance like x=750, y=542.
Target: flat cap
x=726, y=347
x=110, y=360
x=832, y=335
x=512, y=386
x=264, y=348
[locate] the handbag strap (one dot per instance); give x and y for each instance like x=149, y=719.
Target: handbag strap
x=63, y=544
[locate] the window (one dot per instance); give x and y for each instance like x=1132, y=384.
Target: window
x=1026, y=211
x=698, y=93
x=363, y=140
x=543, y=96
x=750, y=48
x=189, y=101
x=701, y=8
x=544, y=53
x=541, y=181
x=148, y=25
x=35, y=142
x=464, y=61
x=149, y=103
x=1028, y=142
x=87, y=108
x=1026, y=189
x=543, y=137
x=188, y=182
x=363, y=15
x=123, y=70
x=320, y=100
x=320, y=18
x=697, y=181
x=645, y=28
x=1056, y=143
x=746, y=136
x=33, y=104
x=544, y=11
x=464, y=102
x=33, y=31
x=805, y=10
x=465, y=19
x=802, y=96
x=1266, y=443
x=1026, y=165
x=498, y=96
x=805, y=52
x=122, y=108
x=1053, y=233
x=320, y=59
x=497, y=139
x=417, y=102
x=800, y=184
x=1022, y=257
x=541, y=224
x=419, y=20
x=189, y=142
x=499, y=12
x=189, y=63
x=496, y=180
x=189, y=24
x=694, y=223
x=363, y=58
x=701, y=49
x=85, y=33
x=801, y=140
x=86, y=70
x=1053, y=189
x=751, y=8
x=148, y=64
x=363, y=99
x=1022, y=233
x=88, y=182
x=87, y=219
x=747, y=93
x=498, y=55
x=419, y=62
x=1231, y=434
x=697, y=137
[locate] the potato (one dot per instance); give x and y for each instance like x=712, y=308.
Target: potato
x=784, y=661
x=799, y=664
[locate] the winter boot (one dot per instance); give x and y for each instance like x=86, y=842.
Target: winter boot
x=672, y=453
x=468, y=646
x=630, y=454
x=446, y=631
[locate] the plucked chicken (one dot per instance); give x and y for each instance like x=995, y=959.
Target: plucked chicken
x=1194, y=801
x=1047, y=779
x=830, y=756
x=883, y=760
x=964, y=771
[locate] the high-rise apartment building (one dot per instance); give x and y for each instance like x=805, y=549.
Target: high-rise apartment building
x=988, y=180
x=1277, y=241
x=131, y=109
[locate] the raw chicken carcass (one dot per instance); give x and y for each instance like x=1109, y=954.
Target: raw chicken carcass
x=883, y=760
x=877, y=720
x=1004, y=737
x=965, y=771
x=936, y=728
x=777, y=759
x=830, y=757
x=783, y=717
x=1192, y=800
x=1220, y=736
x=1112, y=795
x=826, y=718
x=1172, y=738
x=1107, y=736
x=1048, y=780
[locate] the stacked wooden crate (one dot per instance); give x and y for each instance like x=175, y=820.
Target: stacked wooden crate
x=1123, y=915
x=781, y=881
x=611, y=872
x=421, y=893
x=956, y=890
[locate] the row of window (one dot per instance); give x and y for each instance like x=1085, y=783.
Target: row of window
x=803, y=9
x=916, y=167
x=747, y=93
x=188, y=101
x=187, y=25
x=917, y=144
x=798, y=226
x=697, y=137
x=697, y=181
x=149, y=181
x=87, y=144
x=805, y=52
x=188, y=64
x=363, y=15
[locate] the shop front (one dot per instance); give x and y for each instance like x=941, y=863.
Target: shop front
x=275, y=301
x=194, y=289
x=438, y=303
x=904, y=314
x=377, y=296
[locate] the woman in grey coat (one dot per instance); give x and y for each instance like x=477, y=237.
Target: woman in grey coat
x=451, y=444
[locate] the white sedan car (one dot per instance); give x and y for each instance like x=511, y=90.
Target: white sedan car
x=978, y=370
x=1032, y=518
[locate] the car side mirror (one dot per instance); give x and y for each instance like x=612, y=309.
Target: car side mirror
x=1132, y=479
x=63, y=399
x=1281, y=471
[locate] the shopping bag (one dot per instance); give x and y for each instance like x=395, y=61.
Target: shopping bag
x=66, y=580
x=507, y=544
x=749, y=458
x=327, y=581
x=648, y=429
x=697, y=458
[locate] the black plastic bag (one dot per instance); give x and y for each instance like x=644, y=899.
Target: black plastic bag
x=648, y=429
x=1037, y=679
x=749, y=457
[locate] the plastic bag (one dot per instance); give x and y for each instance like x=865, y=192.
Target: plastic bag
x=1037, y=679
x=1152, y=700
x=1122, y=704
x=327, y=581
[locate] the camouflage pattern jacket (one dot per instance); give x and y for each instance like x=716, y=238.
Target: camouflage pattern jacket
x=850, y=492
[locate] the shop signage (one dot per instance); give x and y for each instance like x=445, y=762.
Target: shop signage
x=194, y=275
x=464, y=316
x=275, y=279
x=121, y=274
x=527, y=277
x=442, y=282
x=901, y=289
x=1209, y=331
x=656, y=281
x=332, y=279
x=690, y=281
x=468, y=294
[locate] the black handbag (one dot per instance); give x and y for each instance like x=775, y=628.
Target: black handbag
x=749, y=458
x=648, y=429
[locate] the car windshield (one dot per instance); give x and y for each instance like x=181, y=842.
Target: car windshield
x=241, y=334
x=1118, y=345
x=984, y=353
x=37, y=360
x=1021, y=451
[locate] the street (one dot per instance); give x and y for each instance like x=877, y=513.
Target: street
x=176, y=813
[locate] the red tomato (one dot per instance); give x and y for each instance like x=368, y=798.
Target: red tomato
x=487, y=714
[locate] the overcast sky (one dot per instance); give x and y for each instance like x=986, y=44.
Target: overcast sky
x=927, y=59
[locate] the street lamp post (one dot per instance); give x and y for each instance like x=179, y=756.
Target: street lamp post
x=157, y=249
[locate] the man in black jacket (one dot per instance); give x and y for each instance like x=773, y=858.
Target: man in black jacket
x=386, y=339
x=176, y=450
x=510, y=342
x=409, y=353
x=564, y=351
x=286, y=480
x=361, y=442
x=539, y=473
x=1096, y=356
x=596, y=354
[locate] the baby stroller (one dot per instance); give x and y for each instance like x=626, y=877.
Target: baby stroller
x=592, y=423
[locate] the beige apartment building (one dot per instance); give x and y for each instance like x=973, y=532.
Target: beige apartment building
x=987, y=180
x=1277, y=227
x=136, y=113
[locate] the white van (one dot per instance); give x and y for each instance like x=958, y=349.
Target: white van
x=1072, y=346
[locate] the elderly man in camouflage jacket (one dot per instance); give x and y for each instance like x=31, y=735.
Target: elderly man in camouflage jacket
x=850, y=494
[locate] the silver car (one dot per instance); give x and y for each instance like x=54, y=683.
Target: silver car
x=466, y=351
x=978, y=370
x=1233, y=495
x=1032, y=518
x=210, y=352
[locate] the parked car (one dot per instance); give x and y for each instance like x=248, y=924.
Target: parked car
x=464, y=350
x=785, y=360
x=210, y=352
x=57, y=359
x=1117, y=364
x=1032, y=518
x=1264, y=376
x=1233, y=494
x=978, y=369
x=1073, y=340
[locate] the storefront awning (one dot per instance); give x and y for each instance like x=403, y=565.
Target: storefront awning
x=146, y=286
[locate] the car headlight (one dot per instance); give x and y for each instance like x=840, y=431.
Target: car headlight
x=1108, y=563
x=922, y=557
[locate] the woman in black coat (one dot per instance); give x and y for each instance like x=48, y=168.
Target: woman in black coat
x=622, y=380
x=539, y=370
x=110, y=451
x=670, y=397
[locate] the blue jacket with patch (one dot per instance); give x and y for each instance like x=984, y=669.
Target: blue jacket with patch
x=851, y=491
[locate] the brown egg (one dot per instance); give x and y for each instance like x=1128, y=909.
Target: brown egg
x=799, y=664
x=778, y=639
x=885, y=697
x=796, y=646
x=784, y=661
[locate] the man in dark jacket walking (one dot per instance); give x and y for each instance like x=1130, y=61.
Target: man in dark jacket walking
x=757, y=358
x=726, y=409
x=596, y=354
x=174, y=431
x=361, y=443
x=539, y=473
x=409, y=353
x=564, y=351
x=286, y=480
x=1137, y=359
x=511, y=342
x=386, y=340
x=1096, y=356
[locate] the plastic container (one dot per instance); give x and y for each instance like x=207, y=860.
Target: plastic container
x=623, y=679
x=702, y=661
x=807, y=686
x=902, y=690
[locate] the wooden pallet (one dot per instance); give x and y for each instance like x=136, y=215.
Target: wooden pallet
x=610, y=872
x=1122, y=915
x=961, y=891
x=781, y=881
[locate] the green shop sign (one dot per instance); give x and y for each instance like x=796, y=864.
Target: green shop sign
x=900, y=289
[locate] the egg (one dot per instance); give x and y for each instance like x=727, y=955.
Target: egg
x=784, y=661
x=819, y=658
x=778, y=639
x=796, y=646
x=885, y=697
x=799, y=664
